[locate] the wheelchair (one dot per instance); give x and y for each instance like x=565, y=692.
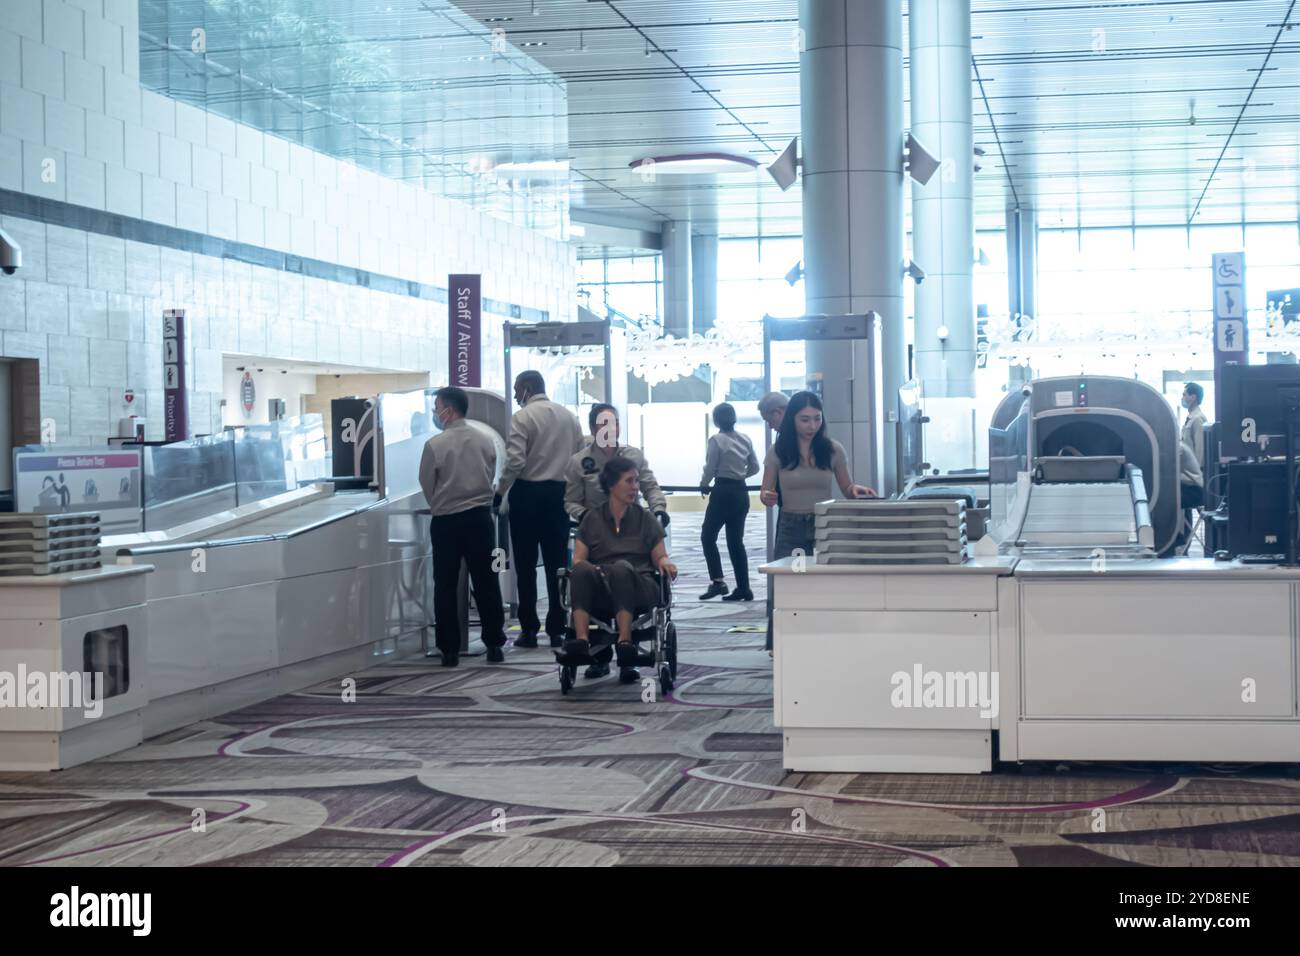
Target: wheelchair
x=653, y=625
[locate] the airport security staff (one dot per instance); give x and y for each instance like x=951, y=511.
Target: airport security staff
x=456, y=472
x=543, y=436
x=1193, y=433
x=582, y=490
x=730, y=459
x=771, y=408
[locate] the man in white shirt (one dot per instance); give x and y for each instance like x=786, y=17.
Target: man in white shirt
x=543, y=436
x=1191, y=457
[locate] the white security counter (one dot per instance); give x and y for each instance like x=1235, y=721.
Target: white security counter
x=843, y=634
x=62, y=624
x=882, y=668
x=1178, y=659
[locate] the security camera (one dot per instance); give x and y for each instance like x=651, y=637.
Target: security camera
x=11, y=254
x=916, y=272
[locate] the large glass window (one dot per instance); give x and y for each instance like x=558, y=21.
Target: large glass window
x=414, y=90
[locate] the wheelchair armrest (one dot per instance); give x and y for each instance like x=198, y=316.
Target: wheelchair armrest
x=665, y=589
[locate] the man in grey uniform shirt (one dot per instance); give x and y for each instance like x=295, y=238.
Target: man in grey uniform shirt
x=582, y=490
x=456, y=472
x=543, y=436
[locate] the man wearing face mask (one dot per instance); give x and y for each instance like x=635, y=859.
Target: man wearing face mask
x=543, y=436
x=456, y=472
x=1193, y=432
x=1191, y=459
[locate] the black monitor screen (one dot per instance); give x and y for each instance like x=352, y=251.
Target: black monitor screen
x=1256, y=400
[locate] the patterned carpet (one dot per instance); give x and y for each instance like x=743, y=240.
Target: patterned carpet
x=491, y=766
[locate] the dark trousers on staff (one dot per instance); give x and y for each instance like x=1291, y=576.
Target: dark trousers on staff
x=1191, y=496
x=604, y=590
x=468, y=536
x=793, y=533
x=728, y=507
x=538, y=520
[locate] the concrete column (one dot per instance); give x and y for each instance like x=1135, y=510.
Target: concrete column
x=1022, y=273
x=943, y=211
x=677, y=279
x=704, y=283
x=851, y=82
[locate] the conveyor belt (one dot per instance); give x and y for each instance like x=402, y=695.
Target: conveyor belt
x=1080, y=515
x=303, y=516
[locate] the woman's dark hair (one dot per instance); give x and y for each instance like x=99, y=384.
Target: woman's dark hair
x=724, y=416
x=614, y=471
x=787, y=440
x=596, y=411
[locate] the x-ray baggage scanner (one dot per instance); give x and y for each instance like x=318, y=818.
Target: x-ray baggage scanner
x=863, y=402
x=1094, y=465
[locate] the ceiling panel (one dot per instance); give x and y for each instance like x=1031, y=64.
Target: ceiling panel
x=1101, y=113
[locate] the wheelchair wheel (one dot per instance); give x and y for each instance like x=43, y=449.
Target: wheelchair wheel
x=670, y=648
x=567, y=675
x=665, y=678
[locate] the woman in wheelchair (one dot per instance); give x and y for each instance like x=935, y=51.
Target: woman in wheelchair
x=619, y=548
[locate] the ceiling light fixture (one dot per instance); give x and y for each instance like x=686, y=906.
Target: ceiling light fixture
x=685, y=163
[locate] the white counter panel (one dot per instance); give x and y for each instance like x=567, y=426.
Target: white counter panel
x=836, y=666
x=1115, y=648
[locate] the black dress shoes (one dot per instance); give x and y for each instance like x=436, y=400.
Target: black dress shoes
x=715, y=589
x=739, y=595
x=496, y=655
x=526, y=640
x=450, y=658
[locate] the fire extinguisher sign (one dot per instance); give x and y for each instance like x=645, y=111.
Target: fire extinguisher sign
x=176, y=412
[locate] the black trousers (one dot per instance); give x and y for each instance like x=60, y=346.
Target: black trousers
x=728, y=507
x=604, y=590
x=538, y=520
x=468, y=536
x=1191, y=496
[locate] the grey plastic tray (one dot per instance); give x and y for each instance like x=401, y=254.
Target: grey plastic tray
x=874, y=506
x=917, y=559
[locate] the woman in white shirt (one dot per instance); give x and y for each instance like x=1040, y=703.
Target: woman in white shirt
x=729, y=461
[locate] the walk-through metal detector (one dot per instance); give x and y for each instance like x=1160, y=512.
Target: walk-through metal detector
x=552, y=337
x=864, y=404
x=556, y=338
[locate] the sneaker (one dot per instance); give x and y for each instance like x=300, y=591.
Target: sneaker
x=629, y=675
x=715, y=589
x=496, y=655
x=526, y=640
x=739, y=595
x=596, y=670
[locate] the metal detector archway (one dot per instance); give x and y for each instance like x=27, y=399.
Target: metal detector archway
x=864, y=404
x=550, y=336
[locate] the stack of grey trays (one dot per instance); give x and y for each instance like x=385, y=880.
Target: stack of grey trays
x=48, y=544
x=891, y=532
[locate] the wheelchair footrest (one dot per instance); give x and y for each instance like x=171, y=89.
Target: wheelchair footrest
x=632, y=656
